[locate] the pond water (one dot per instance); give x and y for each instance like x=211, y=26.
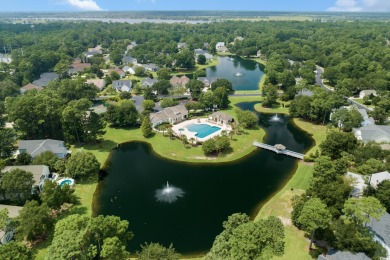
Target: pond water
x=244, y=74
x=136, y=188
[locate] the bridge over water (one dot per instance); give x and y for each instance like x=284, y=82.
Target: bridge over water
x=279, y=149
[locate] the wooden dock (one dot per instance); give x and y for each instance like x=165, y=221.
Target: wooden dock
x=279, y=149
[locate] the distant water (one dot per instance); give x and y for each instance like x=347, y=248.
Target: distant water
x=120, y=20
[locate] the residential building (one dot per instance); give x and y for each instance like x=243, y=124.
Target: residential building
x=77, y=66
x=381, y=230
x=99, y=83
x=203, y=52
x=221, y=118
x=366, y=119
x=238, y=38
x=358, y=184
x=207, y=81
x=36, y=147
x=122, y=85
x=97, y=49
x=150, y=67
x=148, y=82
x=170, y=115
x=304, y=92
x=128, y=60
x=181, y=45
x=367, y=92
x=131, y=46
x=99, y=109
x=45, y=78
x=334, y=254
x=377, y=178
x=120, y=72
x=182, y=81
x=129, y=70
x=376, y=133
x=6, y=58
x=40, y=174
x=220, y=47
x=29, y=87
x=7, y=234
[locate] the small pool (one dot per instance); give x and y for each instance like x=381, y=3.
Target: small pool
x=202, y=130
x=65, y=182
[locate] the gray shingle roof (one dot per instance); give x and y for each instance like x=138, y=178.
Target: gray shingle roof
x=374, y=133
x=36, y=147
x=381, y=228
x=221, y=116
x=148, y=82
x=45, y=78
x=122, y=85
x=342, y=255
x=168, y=113
x=13, y=211
x=36, y=170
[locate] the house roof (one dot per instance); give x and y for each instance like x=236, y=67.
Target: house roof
x=77, y=66
x=36, y=147
x=168, y=113
x=30, y=86
x=13, y=211
x=280, y=147
x=99, y=109
x=359, y=184
x=45, y=78
x=148, y=81
x=150, y=66
x=221, y=116
x=122, y=85
x=99, y=83
x=305, y=92
x=374, y=133
x=36, y=170
x=129, y=59
x=207, y=80
x=368, y=92
x=183, y=80
x=181, y=45
x=381, y=227
x=334, y=254
x=377, y=178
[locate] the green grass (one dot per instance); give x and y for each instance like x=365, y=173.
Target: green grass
x=360, y=101
x=213, y=62
x=276, y=108
x=316, y=131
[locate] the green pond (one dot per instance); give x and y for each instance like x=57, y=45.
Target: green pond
x=207, y=193
x=243, y=73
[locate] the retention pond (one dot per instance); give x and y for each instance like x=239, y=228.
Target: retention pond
x=185, y=203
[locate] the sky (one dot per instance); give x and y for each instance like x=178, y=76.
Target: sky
x=244, y=5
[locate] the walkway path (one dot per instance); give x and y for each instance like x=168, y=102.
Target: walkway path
x=278, y=151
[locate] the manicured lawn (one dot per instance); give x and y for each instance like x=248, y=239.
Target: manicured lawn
x=210, y=63
x=277, y=108
x=360, y=101
x=317, y=132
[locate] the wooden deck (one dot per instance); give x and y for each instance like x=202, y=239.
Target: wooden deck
x=273, y=149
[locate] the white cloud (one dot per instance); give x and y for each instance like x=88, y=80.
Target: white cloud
x=361, y=6
x=87, y=5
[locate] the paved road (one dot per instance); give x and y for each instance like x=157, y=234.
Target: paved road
x=319, y=81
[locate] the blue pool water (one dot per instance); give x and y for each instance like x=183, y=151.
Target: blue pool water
x=203, y=130
x=65, y=182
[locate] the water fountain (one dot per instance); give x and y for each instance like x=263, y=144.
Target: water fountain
x=239, y=74
x=168, y=194
x=275, y=118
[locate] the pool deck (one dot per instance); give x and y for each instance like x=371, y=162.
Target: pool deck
x=199, y=121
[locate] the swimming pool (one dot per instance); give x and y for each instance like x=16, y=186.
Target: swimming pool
x=202, y=130
x=67, y=181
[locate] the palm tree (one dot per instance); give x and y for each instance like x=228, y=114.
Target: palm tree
x=192, y=140
x=170, y=133
x=184, y=139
